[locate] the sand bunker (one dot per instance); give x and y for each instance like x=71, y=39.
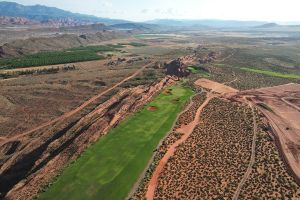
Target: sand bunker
x=152, y=108
x=167, y=91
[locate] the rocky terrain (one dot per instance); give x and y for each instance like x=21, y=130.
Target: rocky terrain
x=54, y=43
x=220, y=146
x=4, y=20
x=29, y=162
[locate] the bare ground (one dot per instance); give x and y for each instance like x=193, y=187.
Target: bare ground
x=283, y=117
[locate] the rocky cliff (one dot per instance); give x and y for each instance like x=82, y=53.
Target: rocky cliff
x=30, y=162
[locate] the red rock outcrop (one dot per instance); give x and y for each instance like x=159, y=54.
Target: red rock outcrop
x=29, y=164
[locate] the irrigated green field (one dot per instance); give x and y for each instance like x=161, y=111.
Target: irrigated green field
x=58, y=57
x=110, y=167
x=198, y=70
x=271, y=73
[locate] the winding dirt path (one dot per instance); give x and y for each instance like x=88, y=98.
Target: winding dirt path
x=252, y=159
x=285, y=100
x=76, y=110
x=136, y=185
x=187, y=131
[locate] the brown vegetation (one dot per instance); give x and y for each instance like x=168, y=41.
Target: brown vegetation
x=213, y=159
x=283, y=117
x=269, y=178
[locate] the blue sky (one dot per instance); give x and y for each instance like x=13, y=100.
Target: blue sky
x=140, y=10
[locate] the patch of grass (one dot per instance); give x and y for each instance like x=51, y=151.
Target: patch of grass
x=198, y=70
x=110, y=167
x=134, y=44
x=137, y=44
x=57, y=57
x=271, y=73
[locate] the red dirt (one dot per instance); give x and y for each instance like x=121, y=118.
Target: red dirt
x=284, y=119
x=215, y=86
x=76, y=110
x=186, y=130
x=152, y=108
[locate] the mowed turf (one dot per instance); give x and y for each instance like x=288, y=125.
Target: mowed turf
x=110, y=167
x=197, y=70
x=271, y=73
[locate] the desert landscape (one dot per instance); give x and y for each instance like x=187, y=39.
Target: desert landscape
x=103, y=108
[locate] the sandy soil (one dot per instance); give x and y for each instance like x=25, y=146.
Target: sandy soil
x=152, y=108
x=215, y=86
x=283, y=118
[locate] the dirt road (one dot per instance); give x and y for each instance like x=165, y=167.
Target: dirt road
x=283, y=117
x=187, y=131
x=76, y=110
x=285, y=100
x=252, y=159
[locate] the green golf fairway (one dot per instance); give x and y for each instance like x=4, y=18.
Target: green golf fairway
x=109, y=168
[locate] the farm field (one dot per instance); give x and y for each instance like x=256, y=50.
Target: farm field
x=59, y=57
x=121, y=156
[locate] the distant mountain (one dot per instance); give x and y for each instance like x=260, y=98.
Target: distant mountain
x=207, y=23
x=268, y=25
x=135, y=26
x=46, y=14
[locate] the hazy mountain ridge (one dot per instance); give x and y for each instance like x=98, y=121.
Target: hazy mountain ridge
x=46, y=14
x=207, y=23
x=136, y=26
